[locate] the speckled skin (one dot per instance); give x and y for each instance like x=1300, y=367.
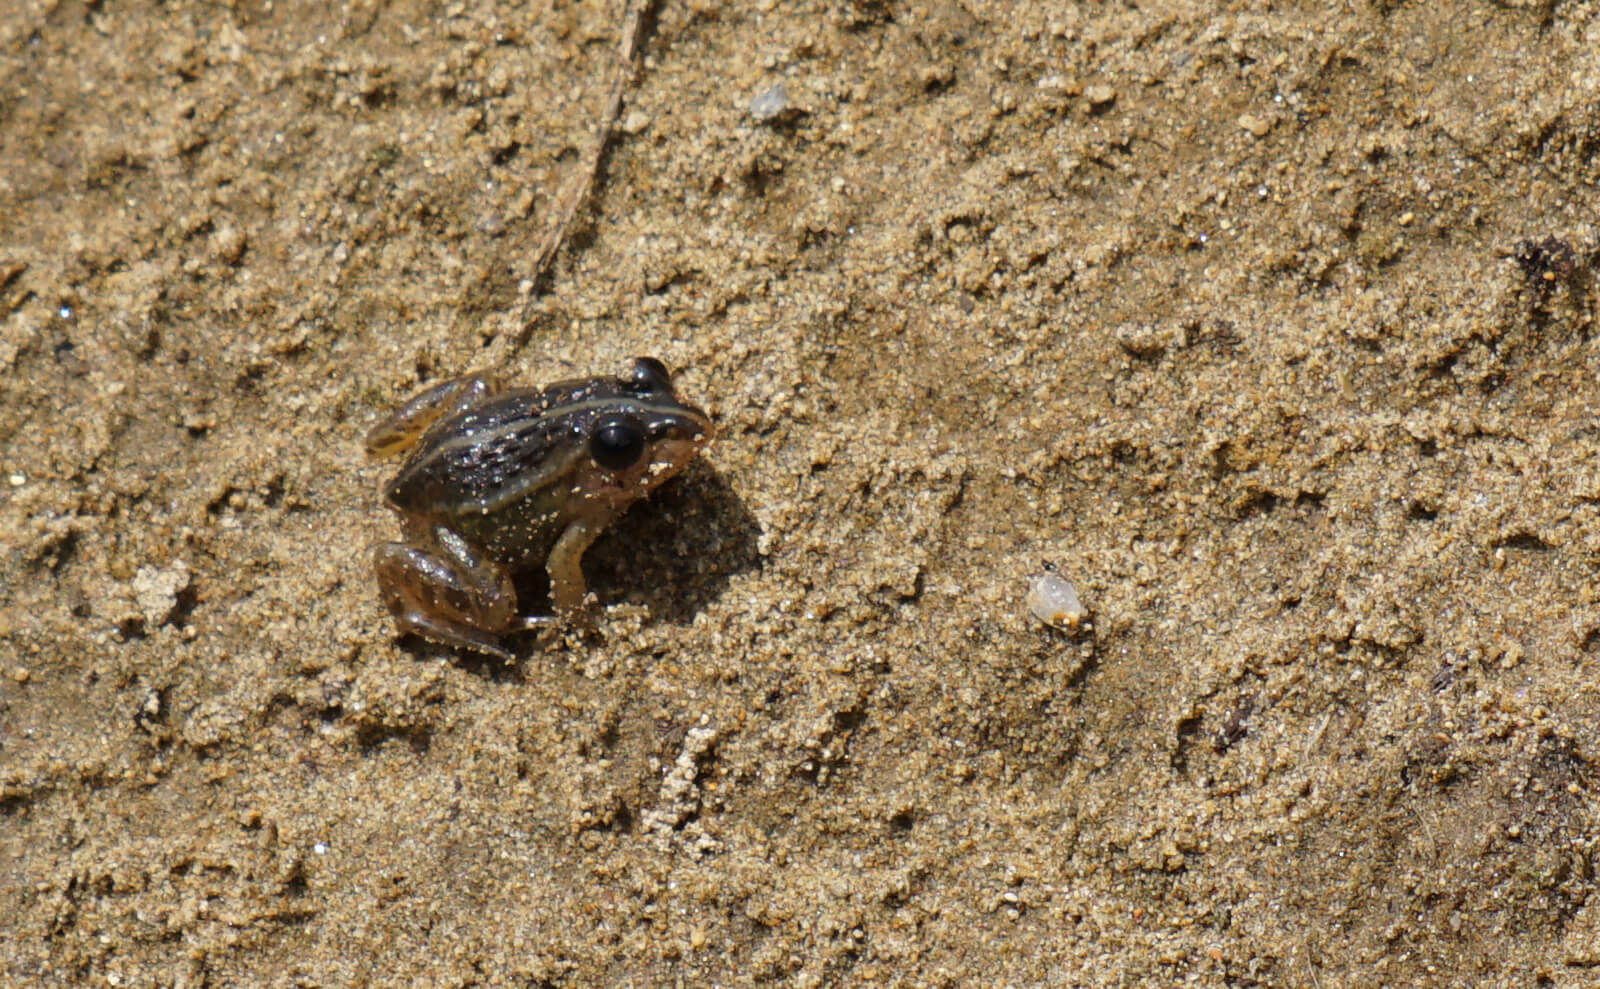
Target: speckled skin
x=499, y=480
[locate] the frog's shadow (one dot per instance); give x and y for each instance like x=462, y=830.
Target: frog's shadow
x=674, y=552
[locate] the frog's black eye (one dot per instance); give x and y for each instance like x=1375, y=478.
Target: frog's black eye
x=649, y=375
x=616, y=445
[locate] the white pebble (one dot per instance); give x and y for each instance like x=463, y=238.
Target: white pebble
x=770, y=103
x=1054, y=601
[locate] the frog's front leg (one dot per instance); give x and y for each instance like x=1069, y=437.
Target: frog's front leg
x=565, y=567
x=449, y=593
x=401, y=429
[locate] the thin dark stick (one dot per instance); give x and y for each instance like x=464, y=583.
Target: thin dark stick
x=578, y=192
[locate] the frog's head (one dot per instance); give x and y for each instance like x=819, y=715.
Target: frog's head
x=645, y=435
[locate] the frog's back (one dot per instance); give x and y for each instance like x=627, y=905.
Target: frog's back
x=487, y=457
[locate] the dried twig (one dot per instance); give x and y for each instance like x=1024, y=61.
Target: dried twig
x=578, y=192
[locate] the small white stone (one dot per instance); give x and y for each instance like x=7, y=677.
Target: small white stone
x=770, y=103
x=1257, y=126
x=1100, y=96
x=1053, y=600
x=635, y=122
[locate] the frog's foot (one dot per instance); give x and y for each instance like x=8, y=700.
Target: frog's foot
x=550, y=627
x=443, y=603
x=581, y=622
x=550, y=631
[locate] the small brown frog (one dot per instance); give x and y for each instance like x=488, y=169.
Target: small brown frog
x=499, y=480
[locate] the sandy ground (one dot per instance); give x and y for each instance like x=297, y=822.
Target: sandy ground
x=1270, y=325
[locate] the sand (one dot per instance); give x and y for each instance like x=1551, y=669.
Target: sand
x=1271, y=327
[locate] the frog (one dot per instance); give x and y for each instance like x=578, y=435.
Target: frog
x=497, y=480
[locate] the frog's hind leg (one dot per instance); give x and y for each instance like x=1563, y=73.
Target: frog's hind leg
x=453, y=597
x=401, y=429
